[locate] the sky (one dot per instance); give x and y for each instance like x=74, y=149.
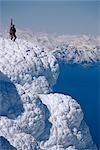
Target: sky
x=64, y=17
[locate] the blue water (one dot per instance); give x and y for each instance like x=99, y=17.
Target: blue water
x=82, y=83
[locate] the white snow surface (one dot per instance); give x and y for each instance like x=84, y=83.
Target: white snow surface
x=74, y=49
x=31, y=116
x=30, y=61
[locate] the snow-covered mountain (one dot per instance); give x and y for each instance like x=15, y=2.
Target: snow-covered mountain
x=31, y=116
x=74, y=49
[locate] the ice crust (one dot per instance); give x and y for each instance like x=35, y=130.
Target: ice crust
x=32, y=117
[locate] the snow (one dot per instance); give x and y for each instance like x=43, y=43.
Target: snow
x=74, y=49
x=31, y=116
x=84, y=54
x=67, y=122
x=29, y=61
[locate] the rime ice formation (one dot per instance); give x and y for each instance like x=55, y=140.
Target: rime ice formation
x=67, y=123
x=29, y=61
x=31, y=117
x=74, y=49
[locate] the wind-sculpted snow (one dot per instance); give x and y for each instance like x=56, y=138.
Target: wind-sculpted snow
x=22, y=61
x=74, y=49
x=68, y=127
x=19, y=140
x=31, y=117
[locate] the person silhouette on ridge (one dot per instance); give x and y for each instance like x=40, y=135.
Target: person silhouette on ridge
x=12, y=31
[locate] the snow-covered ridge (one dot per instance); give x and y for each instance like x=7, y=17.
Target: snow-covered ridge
x=75, y=49
x=45, y=121
x=30, y=61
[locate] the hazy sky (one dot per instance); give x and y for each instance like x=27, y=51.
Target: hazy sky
x=69, y=17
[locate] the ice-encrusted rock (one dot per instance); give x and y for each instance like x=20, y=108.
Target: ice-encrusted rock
x=19, y=140
x=48, y=121
x=29, y=143
x=21, y=61
x=79, y=49
x=38, y=86
x=68, y=127
x=32, y=121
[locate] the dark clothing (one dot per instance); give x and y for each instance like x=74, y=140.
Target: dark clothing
x=13, y=33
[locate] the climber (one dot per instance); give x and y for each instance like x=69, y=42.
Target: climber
x=12, y=31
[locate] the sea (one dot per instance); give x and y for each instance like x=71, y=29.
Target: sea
x=83, y=84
